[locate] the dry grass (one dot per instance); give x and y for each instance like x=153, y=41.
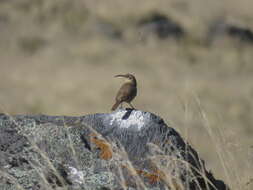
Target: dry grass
x=159, y=168
x=70, y=73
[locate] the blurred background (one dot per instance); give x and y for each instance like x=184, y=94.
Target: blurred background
x=193, y=61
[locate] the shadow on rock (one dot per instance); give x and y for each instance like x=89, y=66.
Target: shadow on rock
x=127, y=114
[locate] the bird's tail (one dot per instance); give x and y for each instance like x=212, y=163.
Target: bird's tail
x=114, y=107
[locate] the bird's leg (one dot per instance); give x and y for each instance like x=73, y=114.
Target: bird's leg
x=131, y=105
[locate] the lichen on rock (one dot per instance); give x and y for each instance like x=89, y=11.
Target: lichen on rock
x=126, y=148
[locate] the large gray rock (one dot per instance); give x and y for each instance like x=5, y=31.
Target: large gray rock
x=126, y=149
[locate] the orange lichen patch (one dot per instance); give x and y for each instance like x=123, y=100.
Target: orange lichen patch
x=153, y=177
x=103, y=145
x=156, y=176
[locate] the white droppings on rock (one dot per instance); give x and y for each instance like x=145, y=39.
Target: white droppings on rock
x=136, y=118
x=75, y=176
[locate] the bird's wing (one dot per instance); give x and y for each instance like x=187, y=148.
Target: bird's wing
x=124, y=92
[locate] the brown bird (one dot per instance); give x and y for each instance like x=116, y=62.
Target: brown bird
x=127, y=91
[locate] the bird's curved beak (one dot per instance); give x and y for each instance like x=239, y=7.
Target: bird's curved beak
x=124, y=76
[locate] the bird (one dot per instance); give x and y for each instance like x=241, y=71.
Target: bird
x=127, y=91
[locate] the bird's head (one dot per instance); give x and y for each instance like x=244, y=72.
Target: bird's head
x=128, y=77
